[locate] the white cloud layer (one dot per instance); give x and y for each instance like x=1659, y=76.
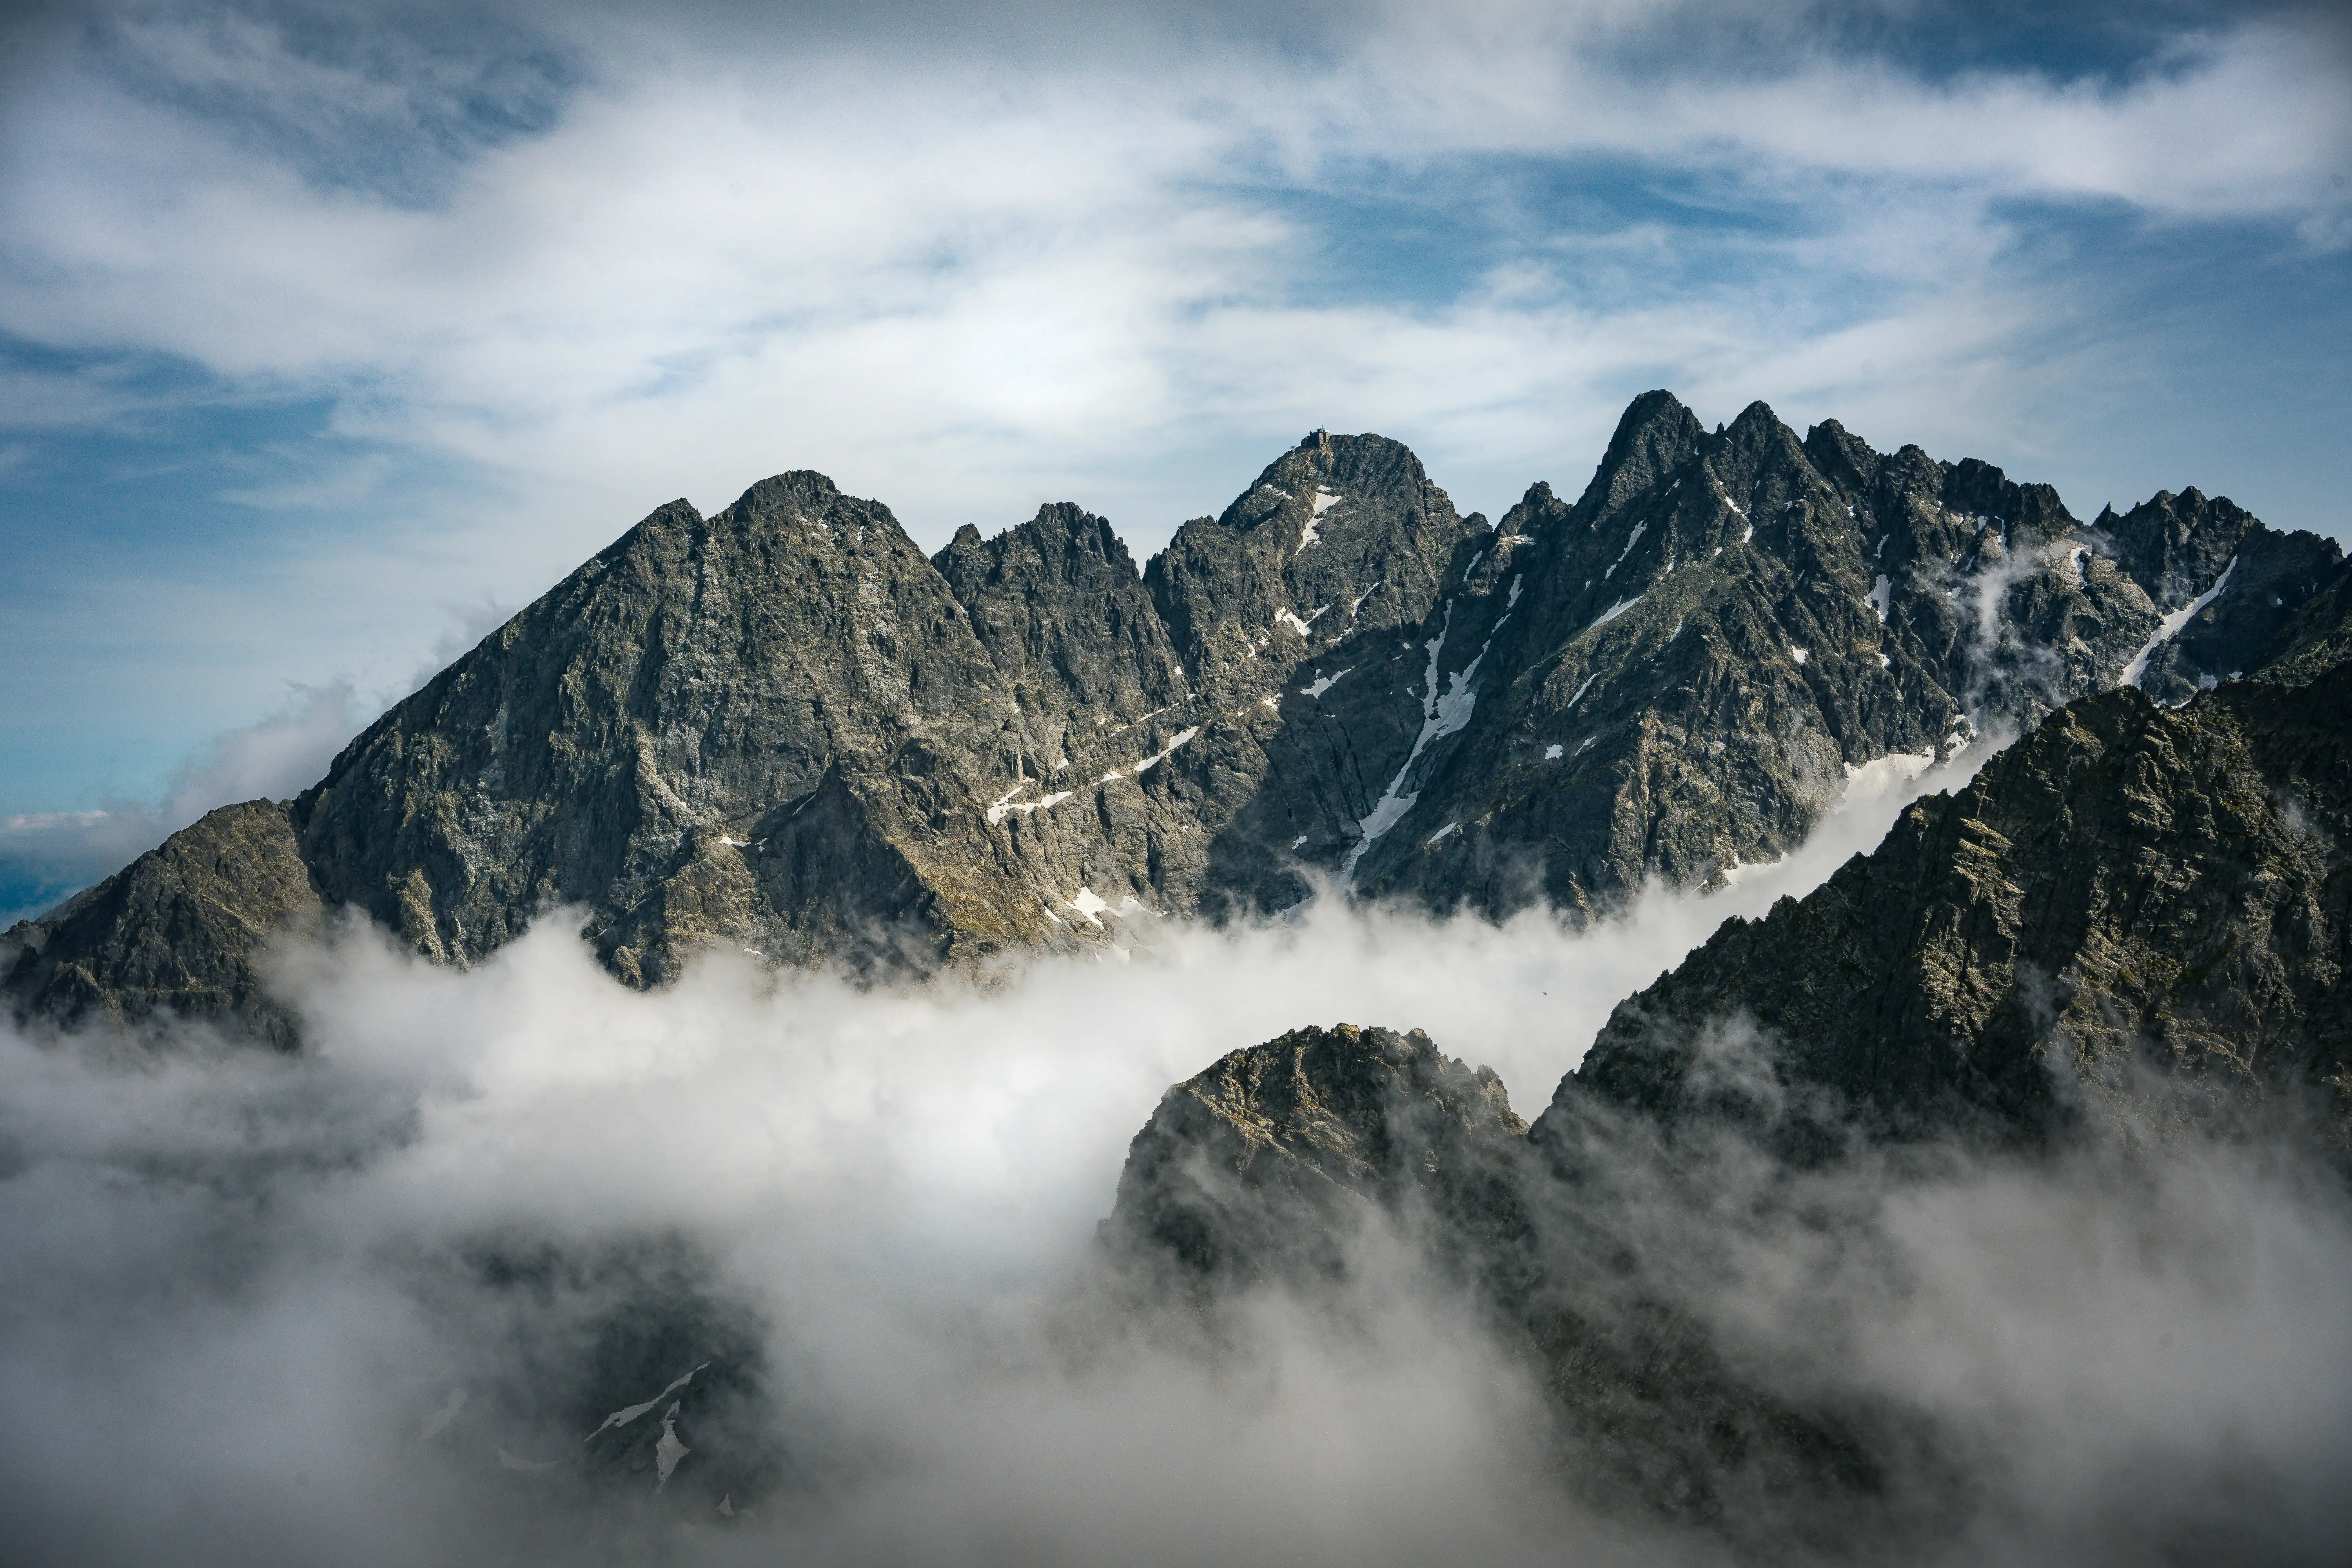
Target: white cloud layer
x=244, y=1290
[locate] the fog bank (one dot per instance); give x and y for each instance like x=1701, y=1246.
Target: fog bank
x=370, y=1306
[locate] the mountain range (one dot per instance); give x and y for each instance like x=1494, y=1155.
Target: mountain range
x=783, y=728
x=2123, y=942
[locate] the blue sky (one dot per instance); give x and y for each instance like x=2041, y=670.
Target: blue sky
x=328, y=335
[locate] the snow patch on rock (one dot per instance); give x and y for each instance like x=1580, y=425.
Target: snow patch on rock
x=1613, y=611
x=2170, y=625
x=1323, y=683
x=1631, y=540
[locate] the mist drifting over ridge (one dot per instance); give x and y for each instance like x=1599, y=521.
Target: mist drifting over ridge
x=877, y=1205
x=848, y=1027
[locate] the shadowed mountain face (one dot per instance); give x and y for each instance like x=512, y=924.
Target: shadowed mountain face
x=783, y=729
x=177, y=929
x=2135, y=908
x=1260, y=1166
x=2124, y=940
x=1676, y=673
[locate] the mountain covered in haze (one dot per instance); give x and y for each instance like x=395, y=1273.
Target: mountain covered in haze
x=2123, y=943
x=783, y=729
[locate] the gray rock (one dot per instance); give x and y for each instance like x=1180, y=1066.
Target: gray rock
x=1278, y=1165
x=1058, y=605
x=1673, y=674
x=174, y=933
x=2229, y=614
x=782, y=729
x=2137, y=914
x=650, y=740
x=2134, y=921
x=1265, y=1164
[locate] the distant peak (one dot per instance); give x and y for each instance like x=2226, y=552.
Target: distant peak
x=1654, y=434
x=1841, y=454
x=794, y=485
x=1654, y=405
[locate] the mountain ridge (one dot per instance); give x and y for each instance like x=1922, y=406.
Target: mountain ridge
x=784, y=728
x=2122, y=941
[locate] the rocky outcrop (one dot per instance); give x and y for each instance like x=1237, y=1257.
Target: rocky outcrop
x=1343, y=536
x=783, y=729
x=2136, y=917
x=2132, y=925
x=1676, y=673
x=174, y=933
x=643, y=739
x=1065, y=618
x=2227, y=587
x=1266, y=1163
x=1302, y=1162
x=2137, y=909
x=2313, y=637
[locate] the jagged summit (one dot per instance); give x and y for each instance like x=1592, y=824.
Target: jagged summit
x=783, y=728
x=1341, y=534
x=2130, y=931
x=2136, y=909
x=1060, y=607
x=1654, y=436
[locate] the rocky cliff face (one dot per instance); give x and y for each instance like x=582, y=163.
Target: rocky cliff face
x=2133, y=925
x=1674, y=674
x=760, y=726
x=2135, y=909
x=1265, y=1164
x=175, y=931
x=2227, y=587
x=1320, y=1159
x=783, y=729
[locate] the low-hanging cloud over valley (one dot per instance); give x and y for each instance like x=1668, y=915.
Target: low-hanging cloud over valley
x=1774, y=1000
x=371, y=1303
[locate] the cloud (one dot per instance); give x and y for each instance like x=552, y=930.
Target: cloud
x=930, y=272
x=273, y=760
x=45, y=856
x=517, y=280
x=242, y=1288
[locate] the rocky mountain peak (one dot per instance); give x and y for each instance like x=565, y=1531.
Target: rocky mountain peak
x=2136, y=907
x=2176, y=545
x=1844, y=458
x=1341, y=534
x=800, y=493
x=1757, y=425
x=2123, y=939
x=1063, y=613
x=783, y=728
x=1267, y=1161
x=1655, y=436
